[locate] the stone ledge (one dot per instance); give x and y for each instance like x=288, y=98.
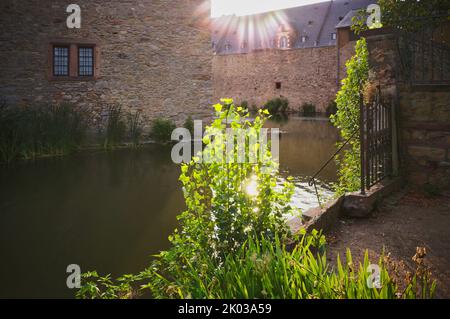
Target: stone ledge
x=352, y=205
x=359, y=206
x=319, y=218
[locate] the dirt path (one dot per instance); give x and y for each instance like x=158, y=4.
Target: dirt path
x=404, y=221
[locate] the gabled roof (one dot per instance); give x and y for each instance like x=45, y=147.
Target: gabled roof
x=315, y=21
x=347, y=21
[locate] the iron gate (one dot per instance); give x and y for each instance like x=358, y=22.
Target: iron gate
x=376, y=141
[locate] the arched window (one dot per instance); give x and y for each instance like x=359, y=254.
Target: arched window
x=284, y=43
x=228, y=47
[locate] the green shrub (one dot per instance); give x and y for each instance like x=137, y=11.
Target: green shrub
x=331, y=108
x=43, y=130
x=161, y=130
x=244, y=105
x=115, y=127
x=308, y=109
x=189, y=125
x=347, y=118
x=277, y=106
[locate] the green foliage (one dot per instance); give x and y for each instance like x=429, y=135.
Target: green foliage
x=97, y=287
x=331, y=108
x=115, y=127
x=244, y=105
x=161, y=130
x=231, y=243
x=407, y=15
x=44, y=130
x=277, y=106
x=134, y=128
x=264, y=268
x=347, y=118
x=189, y=125
x=220, y=210
x=308, y=109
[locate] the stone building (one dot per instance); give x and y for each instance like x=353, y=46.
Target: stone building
x=297, y=53
x=148, y=55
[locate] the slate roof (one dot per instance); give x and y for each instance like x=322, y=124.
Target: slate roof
x=317, y=22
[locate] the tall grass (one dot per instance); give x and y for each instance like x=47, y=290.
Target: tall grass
x=134, y=128
x=30, y=132
x=115, y=127
x=266, y=269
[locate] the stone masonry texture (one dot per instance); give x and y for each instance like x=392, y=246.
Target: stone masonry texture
x=306, y=75
x=154, y=55
x=423, y=117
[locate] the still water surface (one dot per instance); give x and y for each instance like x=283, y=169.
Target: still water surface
x=110, y=211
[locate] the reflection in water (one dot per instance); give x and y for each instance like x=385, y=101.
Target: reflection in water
x=111, y=211
x=305, y=145
x=105, y=211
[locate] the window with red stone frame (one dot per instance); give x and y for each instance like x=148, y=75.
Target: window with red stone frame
x=73, y=61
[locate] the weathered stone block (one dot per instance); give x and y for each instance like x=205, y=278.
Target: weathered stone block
x=430, y=153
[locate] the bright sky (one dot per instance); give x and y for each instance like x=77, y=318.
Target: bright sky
x=245, y=7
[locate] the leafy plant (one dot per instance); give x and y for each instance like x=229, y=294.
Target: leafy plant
x=331, y=108
x=232, y=237
x=265, y=269
x=161, y=130
x=277, y=106
x=308, y=109
x=347, y=118
x=407, y=15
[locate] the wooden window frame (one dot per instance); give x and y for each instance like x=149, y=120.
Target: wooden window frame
x=93, y=60
x=73, y=46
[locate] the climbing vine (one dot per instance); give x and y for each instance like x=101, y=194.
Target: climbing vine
x=348, y=116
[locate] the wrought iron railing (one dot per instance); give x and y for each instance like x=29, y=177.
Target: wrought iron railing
x=312, y=181
x=425, y=57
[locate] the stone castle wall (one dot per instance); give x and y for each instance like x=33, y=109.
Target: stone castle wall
x=306, y=76
x=423, y=117
x=153, y=55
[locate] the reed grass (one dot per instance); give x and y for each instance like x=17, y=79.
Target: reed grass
x=42, y=130
x=115, y=128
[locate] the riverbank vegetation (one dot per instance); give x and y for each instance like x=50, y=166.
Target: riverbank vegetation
x=277, y=106
x=308, y=109
x=233, y=241
x=41, y=130
x=161, y=130
x=46, y=130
